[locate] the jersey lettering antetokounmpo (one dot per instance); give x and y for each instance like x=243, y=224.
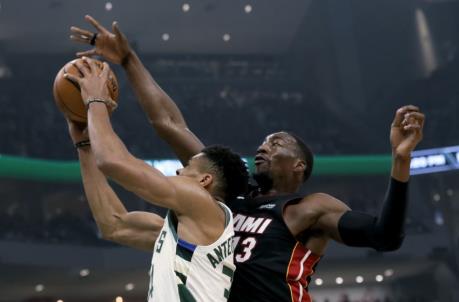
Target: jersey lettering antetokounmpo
x=183, y=272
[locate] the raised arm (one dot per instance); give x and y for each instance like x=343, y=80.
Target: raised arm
x=181, y=194
x=161, y=110
x=384, y=232
x=134, y=229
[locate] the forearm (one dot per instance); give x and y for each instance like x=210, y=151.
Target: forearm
x=115, y=161
x=400, y=168
x=155, y=102
x=392, y=217
x=134, y=229
x=105, y=144
x=385, y=232
x=103, y=202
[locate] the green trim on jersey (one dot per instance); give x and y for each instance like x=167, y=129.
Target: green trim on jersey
x=185, y=294
x=181, y=276
x=230, y=273
x=182, y=269
x=150, y=286
x=173, y=222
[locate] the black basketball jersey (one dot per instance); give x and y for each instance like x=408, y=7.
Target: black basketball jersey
x=271, y=264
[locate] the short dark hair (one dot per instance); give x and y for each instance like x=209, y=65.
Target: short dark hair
x=306, y=153
x=231, y=168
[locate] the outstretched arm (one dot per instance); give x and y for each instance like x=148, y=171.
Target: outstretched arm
x=117, y=163
x=135, y=229
x=384, y=232
x=161, y=110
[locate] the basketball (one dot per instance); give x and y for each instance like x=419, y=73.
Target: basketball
x=67, y=94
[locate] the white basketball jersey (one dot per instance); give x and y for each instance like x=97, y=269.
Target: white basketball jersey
x=184, y=272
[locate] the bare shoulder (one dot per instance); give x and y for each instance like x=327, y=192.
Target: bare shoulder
x=314, y=205
x=310, y=211
x=201, y=217
x=188, y=188
x=191, y=197
x=323, y=201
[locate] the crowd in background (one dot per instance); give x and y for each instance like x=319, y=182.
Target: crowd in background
x=221, y=94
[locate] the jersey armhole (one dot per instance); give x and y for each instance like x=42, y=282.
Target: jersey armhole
x=228, y=213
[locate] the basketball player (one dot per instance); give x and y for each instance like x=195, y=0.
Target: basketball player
x=280, y=236
x=192, y=253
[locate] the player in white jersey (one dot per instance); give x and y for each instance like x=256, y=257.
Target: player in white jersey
x=179, y=270
x=192, y=258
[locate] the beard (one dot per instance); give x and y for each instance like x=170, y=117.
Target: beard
x=264, y=181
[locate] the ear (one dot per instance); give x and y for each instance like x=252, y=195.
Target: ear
x=300, y=166
x=206, y=180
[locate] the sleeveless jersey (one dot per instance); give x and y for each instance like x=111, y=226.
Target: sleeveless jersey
x=181, y=271
x=272, y=265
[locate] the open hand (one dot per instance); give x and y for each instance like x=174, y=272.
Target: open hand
x=114, y=47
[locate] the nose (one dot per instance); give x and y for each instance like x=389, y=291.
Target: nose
x=177, y=172
x=263, y=149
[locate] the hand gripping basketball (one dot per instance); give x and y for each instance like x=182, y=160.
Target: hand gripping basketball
x=67, y=87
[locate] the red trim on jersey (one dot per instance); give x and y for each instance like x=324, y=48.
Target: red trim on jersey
x=300, y=267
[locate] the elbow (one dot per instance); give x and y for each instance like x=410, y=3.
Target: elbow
x=160, y=122
x=390, y=244
x=160, y=127
x=107, y=164
x=103, y=162
x=164, y=126
x=108, y=236
x=110, y=230
x=107, y=233
x=112, y=237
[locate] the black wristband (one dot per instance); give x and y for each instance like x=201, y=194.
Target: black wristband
x=82, y=144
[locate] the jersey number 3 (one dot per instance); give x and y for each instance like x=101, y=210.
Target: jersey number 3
x=246, y=245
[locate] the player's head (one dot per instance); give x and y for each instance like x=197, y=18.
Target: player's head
x=222, y=172
x=283, y=156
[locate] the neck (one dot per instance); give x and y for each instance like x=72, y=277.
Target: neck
x=280, y=186
x=218, y=198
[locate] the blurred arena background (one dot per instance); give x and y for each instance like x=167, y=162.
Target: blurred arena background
x=333, y=71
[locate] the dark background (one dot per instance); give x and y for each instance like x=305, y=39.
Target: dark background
x=332, y=71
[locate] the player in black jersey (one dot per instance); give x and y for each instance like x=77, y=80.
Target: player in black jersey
x=280, y=236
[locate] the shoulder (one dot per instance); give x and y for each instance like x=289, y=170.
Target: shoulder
x=191, y=195
x=318, y=203
x=190, y=186
x=321, y=199
x=311, y=210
